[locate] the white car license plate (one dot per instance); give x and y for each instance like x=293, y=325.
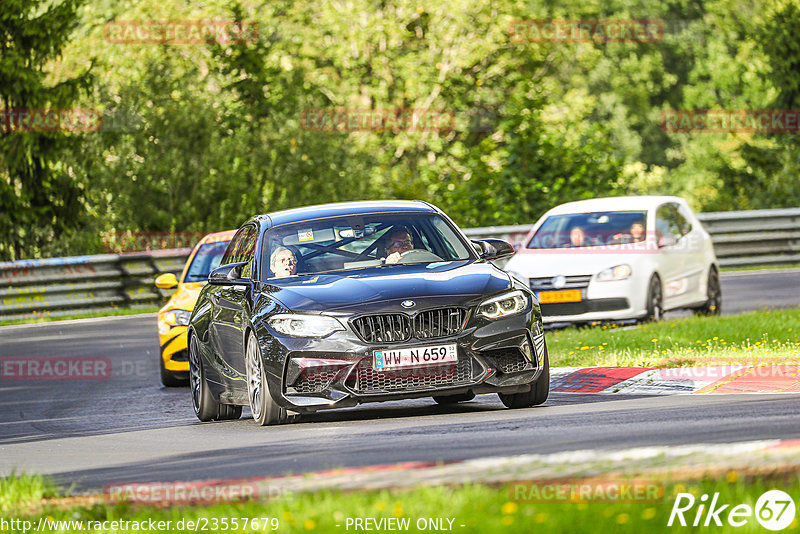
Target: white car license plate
x=416, y=357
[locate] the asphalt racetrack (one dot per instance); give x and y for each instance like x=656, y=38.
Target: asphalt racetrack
x=128, y=428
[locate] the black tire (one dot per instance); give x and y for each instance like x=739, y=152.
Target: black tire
x=265, y=410
x=540, y=389
x=205, y=407
x=655, y=300
x=172, y=379
x=713, y=304
x=453, y=399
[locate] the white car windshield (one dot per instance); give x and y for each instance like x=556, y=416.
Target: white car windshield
x=594, y=229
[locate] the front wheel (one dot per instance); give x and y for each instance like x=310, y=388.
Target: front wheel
x=540, y=389
x=655, y=300
x=713, y=304
x=265, y=410
x=205, y=407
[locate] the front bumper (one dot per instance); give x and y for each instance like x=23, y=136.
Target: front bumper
x=502, y=356
x=602, y=301
x=174, y=350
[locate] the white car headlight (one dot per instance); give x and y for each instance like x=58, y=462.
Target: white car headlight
x=504, y=305
x=618, y=272
x=300, y=325
x=177, y=317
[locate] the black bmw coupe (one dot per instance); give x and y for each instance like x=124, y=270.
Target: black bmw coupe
x=334, y=305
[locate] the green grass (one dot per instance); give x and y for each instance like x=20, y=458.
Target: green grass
x=105, y=313
x=757, y=338
x=479, y=508
x=770, y=267
x=20, y=491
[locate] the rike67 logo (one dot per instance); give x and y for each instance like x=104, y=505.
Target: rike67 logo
x=774, y=510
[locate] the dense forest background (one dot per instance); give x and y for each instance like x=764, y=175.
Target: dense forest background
x=198, y=137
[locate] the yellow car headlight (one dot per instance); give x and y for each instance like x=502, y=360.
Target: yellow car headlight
x=177, y=317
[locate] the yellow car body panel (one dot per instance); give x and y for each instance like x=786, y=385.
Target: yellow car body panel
x=172, y=338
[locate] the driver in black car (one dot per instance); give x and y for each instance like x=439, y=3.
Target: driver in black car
x=395, y=243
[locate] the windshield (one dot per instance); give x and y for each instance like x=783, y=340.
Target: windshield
x=366, y=241
x=206, y=260
x=576, y=230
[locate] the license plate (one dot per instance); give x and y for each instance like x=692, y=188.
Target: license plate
x=416, y=357
x=568, y=295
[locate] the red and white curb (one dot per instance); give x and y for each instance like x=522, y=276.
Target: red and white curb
x=647, y=380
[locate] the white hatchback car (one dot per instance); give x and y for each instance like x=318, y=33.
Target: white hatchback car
x=614, y=259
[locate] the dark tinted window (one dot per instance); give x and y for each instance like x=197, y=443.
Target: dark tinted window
x=245, y=249
x=230, y=252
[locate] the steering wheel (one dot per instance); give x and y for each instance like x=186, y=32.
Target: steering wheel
x=417, y=255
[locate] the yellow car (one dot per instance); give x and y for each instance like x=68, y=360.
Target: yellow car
x=173, y=318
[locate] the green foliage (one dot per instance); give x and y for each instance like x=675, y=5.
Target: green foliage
x=40, y=195
x=198, y=137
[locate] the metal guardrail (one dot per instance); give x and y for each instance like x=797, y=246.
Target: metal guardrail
x=61, y=286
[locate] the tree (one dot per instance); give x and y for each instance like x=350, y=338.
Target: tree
x=39, y=195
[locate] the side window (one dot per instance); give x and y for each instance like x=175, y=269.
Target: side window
x=230, y=252
x=663, y=222
x=245, y=250
x=669, y=221
x=682, y=220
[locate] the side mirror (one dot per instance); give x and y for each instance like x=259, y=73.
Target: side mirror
x=667, y=240
x=494, y=249
x=166, y=281
x=228, y=275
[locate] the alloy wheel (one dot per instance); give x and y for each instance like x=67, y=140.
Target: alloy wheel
x=195, y=378
x=255, y=387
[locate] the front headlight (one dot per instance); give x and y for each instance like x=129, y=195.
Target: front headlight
x=298, y=325
x=619, y=272
x=505, y=305
x=177, y=317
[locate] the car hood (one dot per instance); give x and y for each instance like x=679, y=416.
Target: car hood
x=553, y=263
x=376, y=288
